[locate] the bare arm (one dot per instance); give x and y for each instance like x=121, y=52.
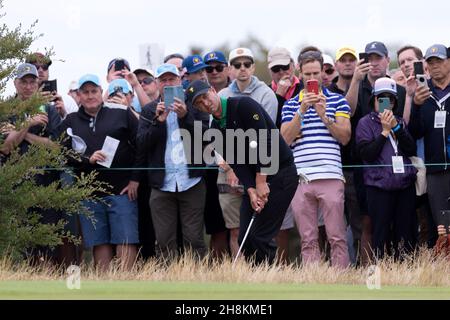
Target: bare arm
x=290, y=130
x=13, y=139
x=34, y=139
x=341, y=130
x=361, y=70
x=139, y=91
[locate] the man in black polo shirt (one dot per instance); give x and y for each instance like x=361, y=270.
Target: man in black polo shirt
x=243, y=113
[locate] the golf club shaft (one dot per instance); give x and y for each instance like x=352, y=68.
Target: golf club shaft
x=245, y=238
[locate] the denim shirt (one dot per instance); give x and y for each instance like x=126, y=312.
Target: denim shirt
x=177, y=175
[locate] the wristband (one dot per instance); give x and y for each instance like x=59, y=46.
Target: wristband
x=301, y=115
x=397, y=127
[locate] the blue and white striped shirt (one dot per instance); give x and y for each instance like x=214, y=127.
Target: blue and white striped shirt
x=317, y=153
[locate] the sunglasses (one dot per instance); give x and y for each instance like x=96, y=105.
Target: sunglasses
x=329, y=71
x=219, y=68
x=277, y=69
x=146, y=80
x=41, y=66
x=238, y=65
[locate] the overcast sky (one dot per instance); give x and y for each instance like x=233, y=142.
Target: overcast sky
x=87, y=34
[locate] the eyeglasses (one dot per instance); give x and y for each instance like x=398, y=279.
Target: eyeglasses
x=329, y=71
x=238, y=65
x=41, y=66
x=218, y=68
x=277, y=69
x=146, y=80
x=25, y=83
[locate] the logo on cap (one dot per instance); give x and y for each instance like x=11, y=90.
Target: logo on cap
x=434, y=50
x=240, y=51
x=256, y=117
x=212, y=55
x=191, y=89
x=373, y=46
x=196, y=60
x=27, y=69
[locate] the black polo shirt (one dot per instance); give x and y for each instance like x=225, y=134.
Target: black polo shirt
x=334, y=88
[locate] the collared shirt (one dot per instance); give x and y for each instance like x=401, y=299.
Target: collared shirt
x=317, y=153
x=439, y=93
x=333, y=87
x=222, y=122
x=177, y=175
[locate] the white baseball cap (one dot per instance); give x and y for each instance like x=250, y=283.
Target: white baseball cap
x=384, y=85
x=327, y=60
x=241, y=52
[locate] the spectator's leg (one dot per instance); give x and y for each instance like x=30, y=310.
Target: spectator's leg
x=330, y=194
x=164, y=209
x=381, y=205
x=103, y=255
x=305, y=206
x=123, y=218
x=405, y=221
x=192, y=206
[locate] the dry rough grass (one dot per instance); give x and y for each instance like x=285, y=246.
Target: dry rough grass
x=421, y=270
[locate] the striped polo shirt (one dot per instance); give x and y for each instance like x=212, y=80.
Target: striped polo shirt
x=317, y=153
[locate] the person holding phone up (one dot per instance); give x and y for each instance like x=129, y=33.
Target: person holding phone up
x=323, y=119
x=63, y=103
x=177, y=185
x=430, y=119
x=384, y=145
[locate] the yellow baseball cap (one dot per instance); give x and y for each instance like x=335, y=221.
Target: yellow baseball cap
x=344, y=50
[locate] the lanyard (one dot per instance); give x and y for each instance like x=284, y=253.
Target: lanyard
x=394, y=144
x=441, y=103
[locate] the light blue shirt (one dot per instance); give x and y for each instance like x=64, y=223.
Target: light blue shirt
x=177, y=174
x=136, y=104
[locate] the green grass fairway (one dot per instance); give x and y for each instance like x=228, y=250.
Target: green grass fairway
x=138, y=290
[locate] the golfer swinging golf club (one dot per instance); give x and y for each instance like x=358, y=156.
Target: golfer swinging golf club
x=270, y=205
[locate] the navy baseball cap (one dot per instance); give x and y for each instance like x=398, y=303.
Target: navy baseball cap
x=438, y=51
x=378, y=48
x=195, y=89
x=194, y=64
x=113, y=61
x=215, y=56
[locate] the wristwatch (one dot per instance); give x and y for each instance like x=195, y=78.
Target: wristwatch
x=328, y=121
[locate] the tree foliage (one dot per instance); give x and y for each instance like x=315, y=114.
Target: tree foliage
x=21, y=197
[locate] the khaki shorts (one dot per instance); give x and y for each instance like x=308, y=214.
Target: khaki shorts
x=229, y=202
x=288, y=222
x=231, y=208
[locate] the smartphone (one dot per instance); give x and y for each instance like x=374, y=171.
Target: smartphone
x=119, y=65
x=170, y=93
x=383, y=104
x=421, y=80
x=363, y=56
x=418, y=68
x=312, y=86
x=50, y=86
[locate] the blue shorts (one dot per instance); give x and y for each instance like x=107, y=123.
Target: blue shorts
x=115, y=222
